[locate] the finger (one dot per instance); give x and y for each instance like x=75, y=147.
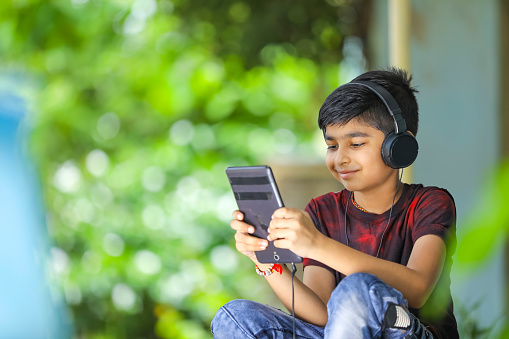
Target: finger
x=241, y=226
x=249, y=239
x=238, y=215
x=286, y=212
x=283, y=243
x=281, y=234
x=279, y=223
x=250, y=243
x=243, y=248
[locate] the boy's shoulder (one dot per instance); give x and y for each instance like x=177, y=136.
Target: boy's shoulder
x=418, y=193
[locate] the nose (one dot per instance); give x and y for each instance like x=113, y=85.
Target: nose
x=341, y=157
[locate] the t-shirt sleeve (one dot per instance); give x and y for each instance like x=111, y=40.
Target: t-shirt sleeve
x=313, y=213
x=435, y=213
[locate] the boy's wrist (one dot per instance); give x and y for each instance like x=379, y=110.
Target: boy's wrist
x=319, y=244
x=262, y=267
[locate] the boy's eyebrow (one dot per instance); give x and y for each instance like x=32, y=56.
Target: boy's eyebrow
x=356, y=134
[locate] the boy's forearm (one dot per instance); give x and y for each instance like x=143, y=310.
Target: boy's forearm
x=308, y=306
x=414, y=286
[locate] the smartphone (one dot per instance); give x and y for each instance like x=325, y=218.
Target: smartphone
x=257, y=196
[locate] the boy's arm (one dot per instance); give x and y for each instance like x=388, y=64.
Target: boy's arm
x=415, y=281
x=294, y=230
x=310, y=297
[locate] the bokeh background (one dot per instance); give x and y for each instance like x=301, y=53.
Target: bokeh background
x=118, y=119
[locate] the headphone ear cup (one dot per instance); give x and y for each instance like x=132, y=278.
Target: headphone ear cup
x=399, y=150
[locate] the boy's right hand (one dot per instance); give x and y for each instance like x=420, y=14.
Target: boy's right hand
x=246, y=243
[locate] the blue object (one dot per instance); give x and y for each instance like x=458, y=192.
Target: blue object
x=31, y=306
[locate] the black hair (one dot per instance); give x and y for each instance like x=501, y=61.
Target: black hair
x=346, y=103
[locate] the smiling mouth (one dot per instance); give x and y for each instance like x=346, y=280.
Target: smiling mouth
x=346, y=174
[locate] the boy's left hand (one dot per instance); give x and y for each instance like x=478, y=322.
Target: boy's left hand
x=293, y=229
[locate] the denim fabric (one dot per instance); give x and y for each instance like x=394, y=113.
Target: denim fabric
x=356, y=310
x=248, y=319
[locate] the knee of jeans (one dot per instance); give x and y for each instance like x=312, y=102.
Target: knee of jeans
x=229, y=314
x=352, y=285
x=357, y=281
x=239, y=305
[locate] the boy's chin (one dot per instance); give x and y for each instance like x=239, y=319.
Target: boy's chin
x=350, y=187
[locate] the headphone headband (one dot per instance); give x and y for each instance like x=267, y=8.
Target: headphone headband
x=388, y=100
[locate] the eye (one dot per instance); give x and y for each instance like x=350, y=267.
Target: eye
x=331, y=147
x=357, y=145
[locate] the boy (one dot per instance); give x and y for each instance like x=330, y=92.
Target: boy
x=377, y=260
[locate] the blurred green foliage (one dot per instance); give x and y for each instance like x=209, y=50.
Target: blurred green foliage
x=138, y=108
x=487, y=225
x=485, y=232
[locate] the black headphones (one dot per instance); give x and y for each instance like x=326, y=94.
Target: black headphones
x=400, y=148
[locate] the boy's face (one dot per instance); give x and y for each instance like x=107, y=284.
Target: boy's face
x=354, y=157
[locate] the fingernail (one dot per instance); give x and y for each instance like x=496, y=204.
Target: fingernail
x=250, y=229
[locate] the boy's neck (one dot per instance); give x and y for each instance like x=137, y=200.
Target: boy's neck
x=380, y=200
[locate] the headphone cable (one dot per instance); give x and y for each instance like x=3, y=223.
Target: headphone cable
x=388, y=221
x=390, y=214
x=294, y=269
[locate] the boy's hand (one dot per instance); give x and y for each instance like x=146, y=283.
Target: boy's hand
x=293, y=229
x=246, y=243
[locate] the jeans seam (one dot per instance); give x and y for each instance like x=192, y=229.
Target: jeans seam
x=237, y=323
x=308, y=325
x=370, y=286
x=284, y=330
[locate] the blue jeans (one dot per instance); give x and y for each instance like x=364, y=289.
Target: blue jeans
x=356, y=310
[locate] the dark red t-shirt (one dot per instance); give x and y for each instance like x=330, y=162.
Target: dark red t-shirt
x=419, y=211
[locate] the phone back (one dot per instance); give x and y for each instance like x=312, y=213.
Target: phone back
x=257, y=196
